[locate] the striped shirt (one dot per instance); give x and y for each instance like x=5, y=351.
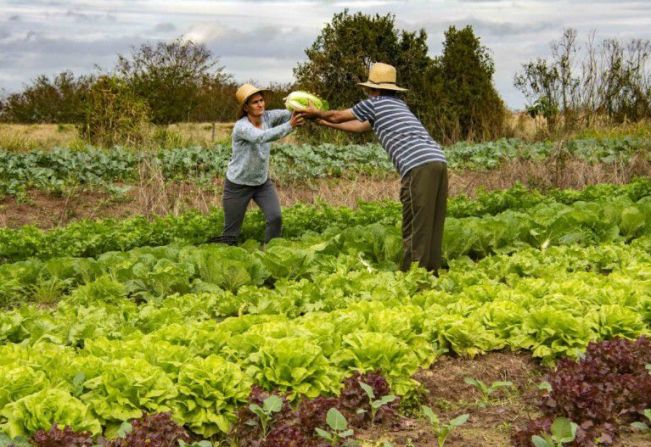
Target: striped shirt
x=401, y=134
x=249, y=164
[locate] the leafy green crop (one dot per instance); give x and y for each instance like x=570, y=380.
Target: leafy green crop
x=190, y=329
x=92, y=238
x=62, y=168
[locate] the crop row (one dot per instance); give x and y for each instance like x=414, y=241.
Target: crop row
x=53, y=170
x=157, y=271
x=105, y=354
x=618, y=210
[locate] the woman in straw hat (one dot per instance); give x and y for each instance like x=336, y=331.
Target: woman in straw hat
x=247, y=176
x=417, y=157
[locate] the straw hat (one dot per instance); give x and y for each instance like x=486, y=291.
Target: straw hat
x=244, y=93
x=383, y=77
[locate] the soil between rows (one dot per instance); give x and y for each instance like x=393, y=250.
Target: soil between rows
x=490, y=423
x=153, y=196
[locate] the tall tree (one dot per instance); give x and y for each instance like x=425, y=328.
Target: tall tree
x=169, y=76
x=472, y=102
x=453, y=94
x=215, y=100
x=609, y=80
x=344, y=50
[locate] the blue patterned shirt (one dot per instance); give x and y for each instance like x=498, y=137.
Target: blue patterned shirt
x=249, y=164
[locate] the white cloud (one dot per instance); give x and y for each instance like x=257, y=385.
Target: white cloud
x=264, y=40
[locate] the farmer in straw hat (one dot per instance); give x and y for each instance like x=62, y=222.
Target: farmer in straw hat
x=247, y=176
x=417, y=157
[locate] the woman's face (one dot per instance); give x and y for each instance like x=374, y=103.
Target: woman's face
x=255, y=105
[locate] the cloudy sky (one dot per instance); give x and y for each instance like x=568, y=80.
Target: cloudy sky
x=263, y=40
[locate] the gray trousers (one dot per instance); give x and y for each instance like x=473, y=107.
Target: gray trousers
x=236, y=199
x=424, y=194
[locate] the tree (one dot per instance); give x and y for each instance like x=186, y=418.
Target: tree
x=344, y=50
x=613, y=81
x=215, y=100
x=48, y=101
x=453, y=95
x=471, y=101
x=169, y=77
x=342, y=53
x=551, y=86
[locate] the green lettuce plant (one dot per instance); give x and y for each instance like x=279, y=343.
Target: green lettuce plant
x=42, y=409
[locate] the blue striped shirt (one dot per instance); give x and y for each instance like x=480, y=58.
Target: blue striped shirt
x=401, y=134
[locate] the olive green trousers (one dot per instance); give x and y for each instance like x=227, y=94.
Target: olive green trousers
x=424, y=194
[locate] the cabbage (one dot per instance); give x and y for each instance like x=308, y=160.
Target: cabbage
x=299, y=100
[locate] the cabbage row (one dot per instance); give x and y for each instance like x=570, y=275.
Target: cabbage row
x=55, y=170
x=92, y=238
x=158, y=271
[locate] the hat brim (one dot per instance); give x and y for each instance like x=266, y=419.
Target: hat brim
x=382, y=86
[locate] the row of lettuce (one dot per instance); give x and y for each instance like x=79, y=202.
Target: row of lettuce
x=491, y=221
x=150, y=272
x=103, y=355
x=60, y=168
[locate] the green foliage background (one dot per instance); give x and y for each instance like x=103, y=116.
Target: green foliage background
x=453, y=94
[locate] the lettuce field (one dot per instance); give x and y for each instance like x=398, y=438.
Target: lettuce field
x=136, y=332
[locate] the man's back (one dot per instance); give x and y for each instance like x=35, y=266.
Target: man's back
x=401, y=134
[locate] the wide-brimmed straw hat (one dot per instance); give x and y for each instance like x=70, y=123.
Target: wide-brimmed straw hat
x=382, y=76
x=244, y=93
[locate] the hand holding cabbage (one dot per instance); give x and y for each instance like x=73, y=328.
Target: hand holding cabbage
x=301, y=100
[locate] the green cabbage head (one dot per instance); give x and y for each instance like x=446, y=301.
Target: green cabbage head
x=299, y=100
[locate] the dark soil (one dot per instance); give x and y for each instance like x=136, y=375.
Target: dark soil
x=491, y=421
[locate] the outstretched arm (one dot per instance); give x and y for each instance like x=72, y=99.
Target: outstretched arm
x=254, y=135
x=353, y=125
x=332, y=116
x=250, y=133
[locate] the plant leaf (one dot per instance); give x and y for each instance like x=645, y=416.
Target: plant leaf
x=460, y=420
x=324, y=434
x=368, y=389
x=124, y=429
x=336, y=420
x=640, y=426
x=563, y=430
x=539, y=442
x=273, y=404
x=429, y=414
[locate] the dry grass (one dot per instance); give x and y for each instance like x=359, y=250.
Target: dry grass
x=153, y=196
x=28, y=137
x=557, y=172
x=189, y=134
x=522, y=126
x=25, y=137
x=342, y=192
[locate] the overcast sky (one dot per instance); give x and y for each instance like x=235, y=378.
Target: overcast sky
x=264, y=40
